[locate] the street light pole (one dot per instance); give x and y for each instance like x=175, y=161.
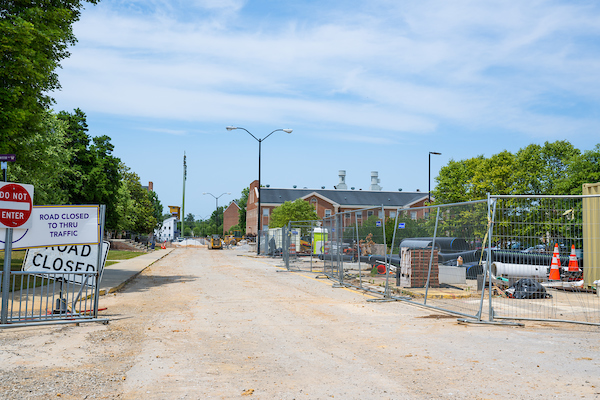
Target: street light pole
x=429, y=191
x=217, y=206
x=230, y=128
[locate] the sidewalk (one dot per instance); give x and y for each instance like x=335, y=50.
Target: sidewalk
x=115, y=276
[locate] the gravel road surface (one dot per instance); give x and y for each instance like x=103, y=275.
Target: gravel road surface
x=221, y=324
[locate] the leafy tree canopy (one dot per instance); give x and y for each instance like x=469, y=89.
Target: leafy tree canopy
x=552, y=169
x=299, y=210
x=34, y=38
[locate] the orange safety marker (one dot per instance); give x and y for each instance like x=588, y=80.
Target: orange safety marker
x=573, y=263
x=555, y=266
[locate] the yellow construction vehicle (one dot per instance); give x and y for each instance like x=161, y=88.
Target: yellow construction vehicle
x=230, y=240
x=234, y=238
x=215, y=243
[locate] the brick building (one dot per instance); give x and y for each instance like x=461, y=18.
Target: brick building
x=333, y=201
x=231, y=216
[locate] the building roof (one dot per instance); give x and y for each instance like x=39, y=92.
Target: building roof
x=233, y=202
x=344, y=198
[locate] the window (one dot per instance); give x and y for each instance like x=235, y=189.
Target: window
x=265, y=212
x=413, y=215
x=359, y=215
x=392, y=214
x=327, y=213
x=369, y=213
x=380, y=214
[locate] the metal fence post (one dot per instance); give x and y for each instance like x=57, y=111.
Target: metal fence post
x=386, y=291
x=399, y=267
x=6, y=275
x=99, y=273
x=437, y=218
x=492, y=208
x=339, y=241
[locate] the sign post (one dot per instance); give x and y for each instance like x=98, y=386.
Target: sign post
x=16, y=203
x=4, y=159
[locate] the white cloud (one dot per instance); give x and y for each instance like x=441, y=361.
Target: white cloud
x=409, y=66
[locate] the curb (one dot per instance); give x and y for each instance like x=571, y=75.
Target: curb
x=104, y=292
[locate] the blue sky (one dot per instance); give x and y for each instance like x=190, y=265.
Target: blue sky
x=366, y=86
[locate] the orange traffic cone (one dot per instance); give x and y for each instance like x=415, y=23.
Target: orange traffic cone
x=573, y=263
x=555, y=266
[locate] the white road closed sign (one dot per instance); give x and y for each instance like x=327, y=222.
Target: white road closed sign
x=16, y=205
x=72, y=259
x=58, y=226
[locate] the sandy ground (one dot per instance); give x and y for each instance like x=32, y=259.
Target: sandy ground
x=221, y=324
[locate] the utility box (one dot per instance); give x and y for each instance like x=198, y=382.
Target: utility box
x=320, y=236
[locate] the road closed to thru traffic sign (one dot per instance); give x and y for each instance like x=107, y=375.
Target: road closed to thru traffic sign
x=16, y=204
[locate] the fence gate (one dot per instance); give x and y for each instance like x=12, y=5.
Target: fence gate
x=544, y=258
x=301, y=249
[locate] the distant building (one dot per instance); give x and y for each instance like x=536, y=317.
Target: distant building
x=331, y=202
x=168, y=231
x=231, y=216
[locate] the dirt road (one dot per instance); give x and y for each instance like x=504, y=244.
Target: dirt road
x=203, y=324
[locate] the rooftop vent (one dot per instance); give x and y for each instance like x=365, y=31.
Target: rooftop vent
x=375, y=181
x=342, y=185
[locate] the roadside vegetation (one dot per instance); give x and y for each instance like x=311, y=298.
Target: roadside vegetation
x=54, y=150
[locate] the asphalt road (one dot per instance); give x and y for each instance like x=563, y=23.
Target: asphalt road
x=221, y=324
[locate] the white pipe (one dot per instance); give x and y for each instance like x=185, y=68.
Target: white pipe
x=519, y=270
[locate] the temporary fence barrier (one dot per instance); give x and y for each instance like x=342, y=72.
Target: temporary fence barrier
x=302, y=246
x=486, y=260
x=50, y=297
x=271, y=242
x=544, y=259
x=354, y=247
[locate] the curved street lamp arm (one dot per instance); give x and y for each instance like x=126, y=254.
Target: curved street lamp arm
x=257, y=139
x=271, y=134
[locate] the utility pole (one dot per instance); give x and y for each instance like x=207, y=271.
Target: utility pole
x=183, y=201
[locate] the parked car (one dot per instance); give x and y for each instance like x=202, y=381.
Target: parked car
x=540, y=248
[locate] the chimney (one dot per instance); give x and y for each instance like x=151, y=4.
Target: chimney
x=342, y=185
x=150, y=186
x=375, y=181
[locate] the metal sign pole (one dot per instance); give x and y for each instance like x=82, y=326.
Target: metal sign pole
x=99, y=268
x=6, y=275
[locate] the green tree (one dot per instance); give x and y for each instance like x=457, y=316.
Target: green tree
x=455, y=181
x=45, y=163
x=157, y=209
x=92, y=175
x=580, y=170
x=242, y=202
x=217, y=218
x=135, y=210
x=493, y=175
x=34, y=38
x=299, y=210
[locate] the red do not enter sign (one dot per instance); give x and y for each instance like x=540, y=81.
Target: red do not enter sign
x=16, y=204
